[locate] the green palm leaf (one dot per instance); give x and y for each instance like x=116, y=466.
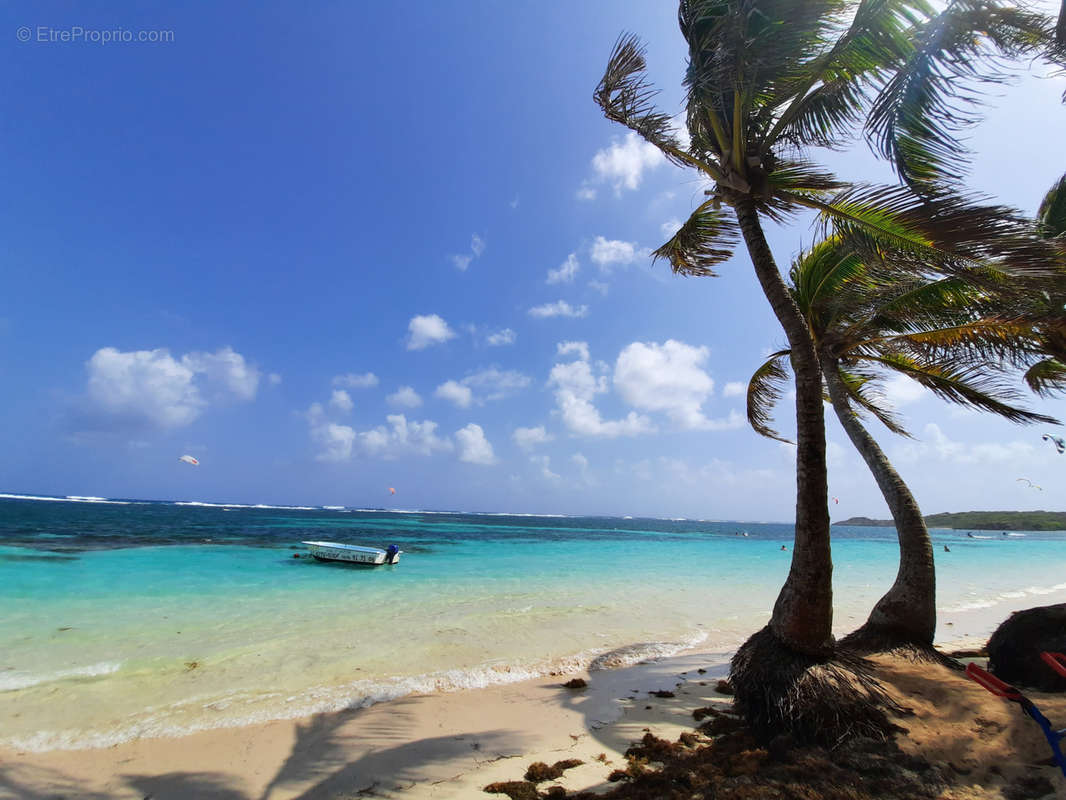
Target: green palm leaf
x=936, y=92
x=706, y=239
x=765, y=389
x=1047, y=377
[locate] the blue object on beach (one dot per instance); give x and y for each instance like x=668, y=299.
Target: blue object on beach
x=1001, y=689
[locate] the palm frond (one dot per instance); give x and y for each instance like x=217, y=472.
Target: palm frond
x=974, y=386
x=832, y=96
x=625, y=96
x=858, y=385
x=706, y=239
x=1051, y=215
x=1047, y=378
x=765, y=389
x=936, y=92
x=945, y=231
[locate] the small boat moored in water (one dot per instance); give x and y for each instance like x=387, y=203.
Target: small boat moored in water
x=354, y=554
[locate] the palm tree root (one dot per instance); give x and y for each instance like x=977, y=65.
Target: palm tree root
x=873, y=639
x=824, y=701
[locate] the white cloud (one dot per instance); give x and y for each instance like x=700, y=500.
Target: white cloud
x=899, y=390
x=491, y=384
x=335, y=440
x=575, y=389
x=495, y=384
x=734, y=389
x=544, y=462
x=403, y=436
x=622, y=164
x=669, y=378
x=566, y=271
x=341, y=400
x=581, y=462
x=456, y=393
x=560, y=308
x=150, y=388
x=404, y=397
x=669, y=228
x=427, y=330
x=586, y=192
x=226, y=370
x=477, y=247
x=474, y=448
x=354, y=381
x=500, y=338
x=528, y=438
x=581, y=348
x=935, y=444
x=608, y=252
x=599, y=286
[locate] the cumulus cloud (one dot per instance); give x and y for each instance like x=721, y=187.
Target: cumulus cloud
x=335, y=441
x=622, y=164
x=599, y=286
x=566, y=348
x=544, y=464
x=491, y=383
x=669, y=228
x=899, y=390
x=501, y=338
x=427, y=330
x=456, y=393
x=341, y=400
x=463, y=260
x=935, y=444
x=669, y=378
x=353, y=381
x=152, y=389
x=566, y=271
x=473, y=447
x=734, y=389
x=404, y=397
x=586, y=192
x=528, y=438
x=607, y=253
x=560, y=308
x=575, y=389
x=496, y=384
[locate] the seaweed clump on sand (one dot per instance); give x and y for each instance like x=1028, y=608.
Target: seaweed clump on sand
x=734, y=766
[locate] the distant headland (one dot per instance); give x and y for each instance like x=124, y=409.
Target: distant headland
x=980, y=521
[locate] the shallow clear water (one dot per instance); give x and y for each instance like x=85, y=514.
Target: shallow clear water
x=135, y=619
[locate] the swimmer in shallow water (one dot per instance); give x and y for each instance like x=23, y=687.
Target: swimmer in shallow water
x=947, y=549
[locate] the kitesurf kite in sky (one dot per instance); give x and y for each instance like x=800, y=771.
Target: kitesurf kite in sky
x=189, y=460
x=1031, y=484
x=1058, y=441
x=392, y=491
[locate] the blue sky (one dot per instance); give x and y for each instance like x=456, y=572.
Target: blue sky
x=331, y=252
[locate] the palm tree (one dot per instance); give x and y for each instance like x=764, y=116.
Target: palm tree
x=1048, y=301
x=767, y=80
x=867, y=322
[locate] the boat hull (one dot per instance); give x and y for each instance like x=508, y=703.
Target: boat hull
x=351, y=554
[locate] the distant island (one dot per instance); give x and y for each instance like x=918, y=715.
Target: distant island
x=980, y=521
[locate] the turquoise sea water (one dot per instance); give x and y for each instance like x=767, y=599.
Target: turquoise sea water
x=124, y=619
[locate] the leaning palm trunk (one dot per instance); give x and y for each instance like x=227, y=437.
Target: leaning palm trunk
x=906, y=615
x=803, y=614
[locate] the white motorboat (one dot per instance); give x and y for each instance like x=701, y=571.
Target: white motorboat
x=354, y=554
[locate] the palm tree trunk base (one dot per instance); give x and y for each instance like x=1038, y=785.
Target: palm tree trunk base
x=872, y=639
x=779, y=691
